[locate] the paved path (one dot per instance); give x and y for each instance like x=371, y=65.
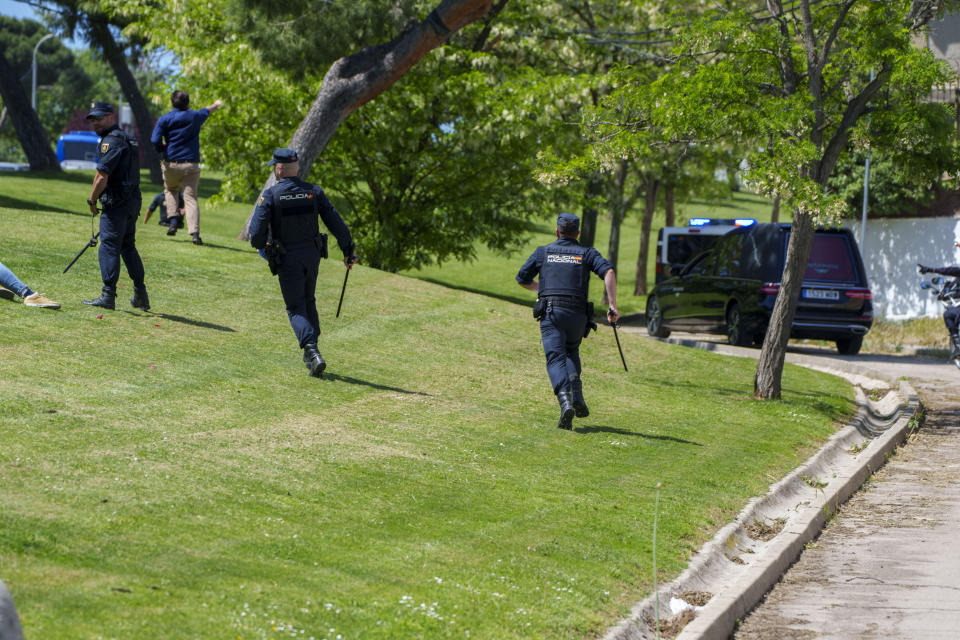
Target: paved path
x=888, y=564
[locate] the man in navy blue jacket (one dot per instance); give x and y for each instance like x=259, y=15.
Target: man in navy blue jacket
x=176, y=137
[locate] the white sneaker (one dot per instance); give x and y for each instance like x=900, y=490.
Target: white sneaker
x=6, y=294
x=40, y=300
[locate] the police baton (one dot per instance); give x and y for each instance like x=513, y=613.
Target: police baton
x=353, y=260
x=619, y=348
x=343, y=291
x=92, y=242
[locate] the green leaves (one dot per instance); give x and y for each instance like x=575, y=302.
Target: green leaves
x=788, y=95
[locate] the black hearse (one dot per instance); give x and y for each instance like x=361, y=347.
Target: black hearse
x=731, y=288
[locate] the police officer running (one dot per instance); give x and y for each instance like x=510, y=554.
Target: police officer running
x=284, y=228
x=563, y=308
x=117, y=186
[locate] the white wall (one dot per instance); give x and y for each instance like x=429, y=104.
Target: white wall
x=891, y=251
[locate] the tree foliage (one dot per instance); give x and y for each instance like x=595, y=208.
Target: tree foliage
x=792, y=83
x=440, y=162
x=62, y=81
x=904, y=176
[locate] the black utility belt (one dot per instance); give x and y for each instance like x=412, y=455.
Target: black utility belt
x=560, y=302
x=565, y=302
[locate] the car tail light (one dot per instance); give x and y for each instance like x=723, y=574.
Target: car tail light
x=859, y=294
x=771, y=289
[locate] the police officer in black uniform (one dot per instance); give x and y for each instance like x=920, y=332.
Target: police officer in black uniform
x=562, y=308
x=285, y=230
x=117, y=186
x=951, y=315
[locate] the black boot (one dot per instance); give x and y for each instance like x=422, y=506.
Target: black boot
x=173, y=226
x=140, y=299
x=105, y=300
x=314, y=361
x=955, y=343
x=579, y=404
x=196, y=238
x=566, y=410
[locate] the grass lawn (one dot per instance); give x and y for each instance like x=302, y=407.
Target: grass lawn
x=494, y=274
x=176, y=474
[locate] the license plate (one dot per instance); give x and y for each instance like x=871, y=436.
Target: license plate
x=821, y=294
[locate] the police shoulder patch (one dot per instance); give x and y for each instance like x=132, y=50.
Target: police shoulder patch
x=104, y=147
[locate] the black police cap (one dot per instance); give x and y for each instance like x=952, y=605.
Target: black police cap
x=282, y=156
x=568, y=221
x=99, y=109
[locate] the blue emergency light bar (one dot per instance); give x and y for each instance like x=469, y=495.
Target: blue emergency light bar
x=703, y=222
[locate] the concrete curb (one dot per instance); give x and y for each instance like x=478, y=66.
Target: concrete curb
x=734, y=569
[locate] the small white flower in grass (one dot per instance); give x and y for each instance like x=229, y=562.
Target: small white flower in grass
x=438, y=580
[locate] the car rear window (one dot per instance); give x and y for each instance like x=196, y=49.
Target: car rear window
x=831, y=259
x=681, y=248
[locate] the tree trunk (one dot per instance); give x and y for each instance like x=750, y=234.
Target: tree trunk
x=128, y=84
x=618, y=206
x=30, y=133
x=650, y=204
x=668, y=207
x=360, y=77
x=588, y=219
x=766, y=383
x=775, y=214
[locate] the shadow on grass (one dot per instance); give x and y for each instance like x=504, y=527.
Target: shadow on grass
x=16, y=203
x=382, y=387
x=248, y=249
x=190, y=321
x=624, y=432
x=515, y=300
x=85, y=177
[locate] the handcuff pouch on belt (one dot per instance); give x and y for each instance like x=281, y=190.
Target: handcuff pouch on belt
x=540, y=309
x=273, y=251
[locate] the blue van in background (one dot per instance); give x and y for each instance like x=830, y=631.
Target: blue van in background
x=78, y=150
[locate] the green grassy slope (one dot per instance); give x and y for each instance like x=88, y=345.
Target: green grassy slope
x=177, y=474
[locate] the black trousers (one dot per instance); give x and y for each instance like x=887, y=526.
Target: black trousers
x=118, y=230
x=951, y=318
x=561, y=332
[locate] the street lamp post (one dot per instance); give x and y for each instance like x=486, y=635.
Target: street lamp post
x=33, y=101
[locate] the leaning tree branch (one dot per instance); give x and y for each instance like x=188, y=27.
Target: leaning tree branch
x=356, y=79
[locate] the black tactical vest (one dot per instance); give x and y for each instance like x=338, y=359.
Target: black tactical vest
x=296, y=207
x=123, y=184
x=563, y=272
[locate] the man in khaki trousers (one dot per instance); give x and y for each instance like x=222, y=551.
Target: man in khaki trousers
x=176, y=137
